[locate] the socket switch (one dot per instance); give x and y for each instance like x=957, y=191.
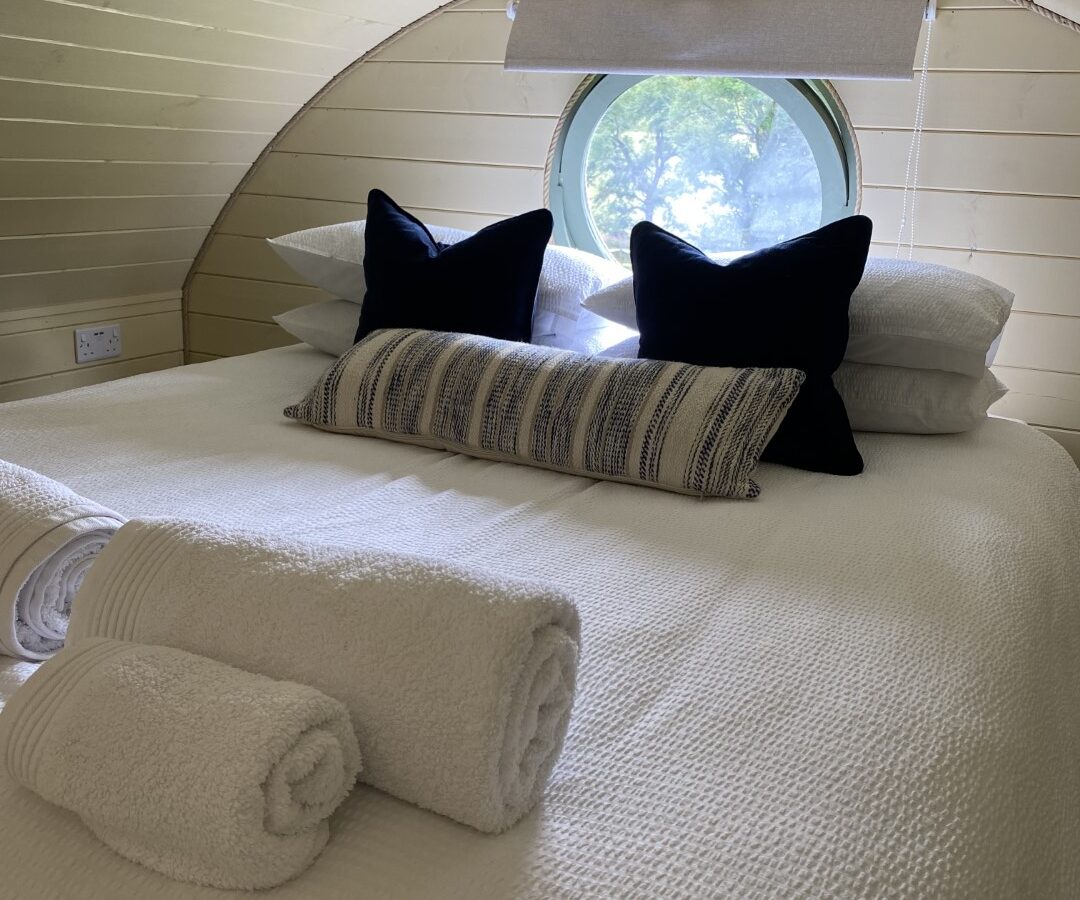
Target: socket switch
x=96, y=342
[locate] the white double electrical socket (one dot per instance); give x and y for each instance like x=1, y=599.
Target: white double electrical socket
x=96, y=342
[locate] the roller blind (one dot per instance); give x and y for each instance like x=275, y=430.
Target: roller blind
x=788, y=38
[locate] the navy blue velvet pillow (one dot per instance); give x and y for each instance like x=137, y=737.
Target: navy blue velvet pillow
x=484, y=285
x=785, y=306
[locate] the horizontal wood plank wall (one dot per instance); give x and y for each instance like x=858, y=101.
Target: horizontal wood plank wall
x=434, y=120
x=37, y=346
x=125, y=125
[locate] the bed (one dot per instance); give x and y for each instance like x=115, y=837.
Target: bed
x=850, y=687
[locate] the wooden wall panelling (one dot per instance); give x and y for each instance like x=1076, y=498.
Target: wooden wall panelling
x=460, y=87
x=994, y=102
x=263, y=216
x=223, y=336
x=47, y=351
x=244, y=298
x=64, y=215
x=80, y=66
x=100, y=178
x=455, y=36
x=127, y=143
x=37, y=346
x=1010, y=223
x=1043, y=398
x=243, y=257
x=115, y=283
x=976, y=162
x=324, y=28
x=1034, y=341
x=471, y=188
x=518, y=141
x=108, y=106
x=108, y=29
x=128, y=123
x=467, y=150
x=35, y=253
x=1004, y=39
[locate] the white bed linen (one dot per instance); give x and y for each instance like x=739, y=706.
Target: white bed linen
x=850, y=687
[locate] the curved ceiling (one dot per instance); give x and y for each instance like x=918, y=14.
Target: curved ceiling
x=128, y=123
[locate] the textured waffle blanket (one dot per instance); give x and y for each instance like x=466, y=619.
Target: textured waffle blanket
x=460, y=684
x=49, y=537
x=849, y=688
x=198, y=770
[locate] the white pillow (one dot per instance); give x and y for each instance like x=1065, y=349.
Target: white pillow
x=328, y=326
x=615, y=302
x=567, y=278
x=915, y=401
x=331, y=257
x=903, y=313
x=625, y=349
x=898, y=399
x=590, y=336
x=925, y=316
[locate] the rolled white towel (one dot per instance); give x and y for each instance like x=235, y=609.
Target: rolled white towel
x=459, y=683
x=49, y=537
x=200, y=771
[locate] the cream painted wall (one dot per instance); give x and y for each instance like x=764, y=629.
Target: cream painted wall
x=124, y=127
x=433, y=119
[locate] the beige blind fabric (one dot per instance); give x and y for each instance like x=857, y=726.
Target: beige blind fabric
x=790, y=38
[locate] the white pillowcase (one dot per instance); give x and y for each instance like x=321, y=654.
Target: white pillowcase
x=567, y=278
x=625, y=349
x=904, y=313
x=328, y=326
x=915, y=401
x=898, y=399
x=615, y=302
x=925, y=316
x=331, y=257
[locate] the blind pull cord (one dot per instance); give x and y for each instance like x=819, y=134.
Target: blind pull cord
x=911, y=175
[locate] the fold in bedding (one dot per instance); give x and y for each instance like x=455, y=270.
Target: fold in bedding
x=188, y=766
x=49, y=537
x=459, y=684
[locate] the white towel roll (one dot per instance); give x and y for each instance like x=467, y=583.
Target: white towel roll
x=194, y=769
x=460, y=684
x=49, y=537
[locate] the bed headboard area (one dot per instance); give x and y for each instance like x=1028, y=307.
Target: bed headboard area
x=139, y=181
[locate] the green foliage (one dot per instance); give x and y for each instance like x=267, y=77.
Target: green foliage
x=713, y=159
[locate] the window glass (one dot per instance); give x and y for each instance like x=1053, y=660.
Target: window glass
x=729, y=164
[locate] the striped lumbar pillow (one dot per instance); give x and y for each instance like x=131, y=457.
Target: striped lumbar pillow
x=674, y=426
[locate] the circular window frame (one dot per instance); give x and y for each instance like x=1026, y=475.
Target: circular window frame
x=813, y=105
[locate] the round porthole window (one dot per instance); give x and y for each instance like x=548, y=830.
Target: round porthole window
x=729, y=164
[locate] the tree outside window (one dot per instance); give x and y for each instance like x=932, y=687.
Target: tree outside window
x=715, y=160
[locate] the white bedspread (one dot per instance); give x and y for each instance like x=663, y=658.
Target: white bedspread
x=848, y=688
